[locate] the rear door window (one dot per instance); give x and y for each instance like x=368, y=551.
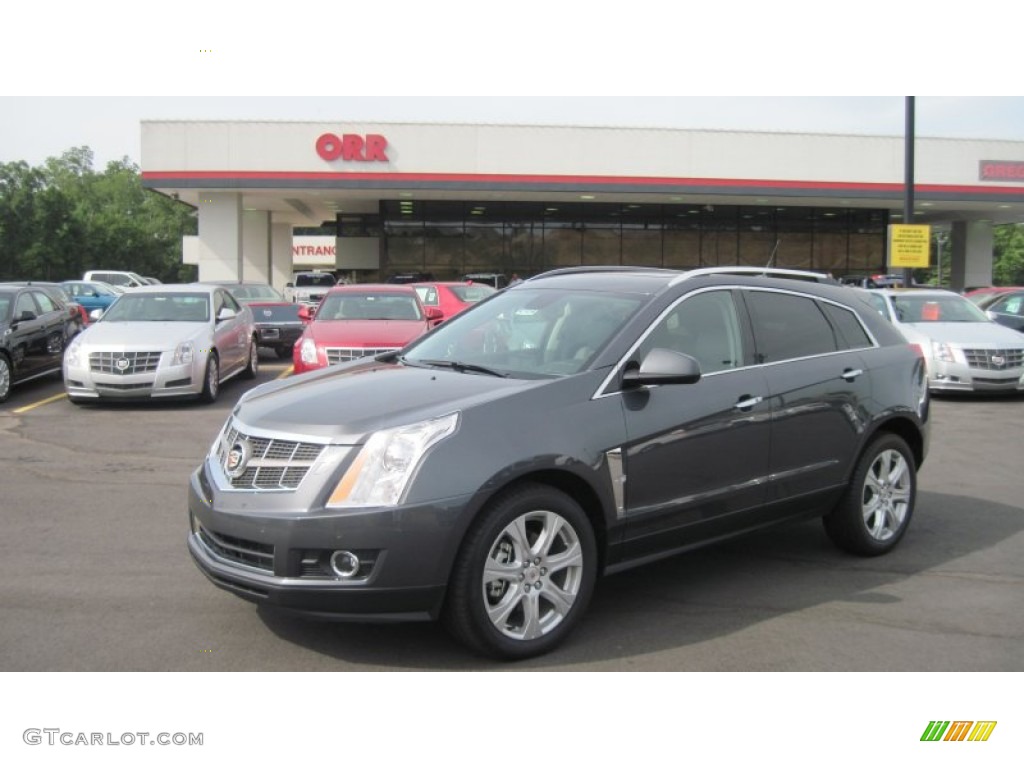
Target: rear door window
x=787, y=327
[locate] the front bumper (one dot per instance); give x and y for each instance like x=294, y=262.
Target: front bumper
x=959, y=377
x=270, y=548
x=166, y=381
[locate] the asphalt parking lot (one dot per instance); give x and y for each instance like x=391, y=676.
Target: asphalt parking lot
x=95, y=575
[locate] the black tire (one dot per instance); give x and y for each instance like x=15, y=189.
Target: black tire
x=252, y=367
x=283, y=353
x=533, y=603
x=876, y=509
x=211, y=380
x=5, y=377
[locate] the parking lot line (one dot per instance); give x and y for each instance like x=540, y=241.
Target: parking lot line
x=286, y=372
x=53, y=399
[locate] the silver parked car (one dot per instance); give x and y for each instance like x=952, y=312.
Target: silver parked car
x=163, y=341
x=964, y=350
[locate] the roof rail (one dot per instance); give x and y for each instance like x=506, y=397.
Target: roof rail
x=792, y=274
x=586, y=270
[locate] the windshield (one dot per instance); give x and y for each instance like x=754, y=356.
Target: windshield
x=472, y=292
x=160, y=308
x=528, y=333
x=255, y=293
x=323, y=280
x=936, y=309
x=369, y=306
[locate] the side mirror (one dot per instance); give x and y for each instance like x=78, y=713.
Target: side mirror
x=226, y=313
x=434, y=314
x=305, y=313
x=96, y=314
x=991, y=315
x=662, y=366
x=289, y=285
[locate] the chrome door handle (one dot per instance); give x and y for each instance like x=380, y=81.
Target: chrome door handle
x=850, y=373
x=748, y=402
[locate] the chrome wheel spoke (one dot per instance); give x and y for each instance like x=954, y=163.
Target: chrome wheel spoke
x=499, y=612
x=532, y=626
x=567, y=559
x=561, y=600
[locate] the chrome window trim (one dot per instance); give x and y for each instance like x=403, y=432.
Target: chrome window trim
x=603, y=391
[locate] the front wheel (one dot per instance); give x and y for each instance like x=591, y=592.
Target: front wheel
x=211, y=380
x=524, y=575
x=5, y=378
x=876, y=509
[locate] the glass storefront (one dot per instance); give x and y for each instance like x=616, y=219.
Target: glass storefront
x=450, y=239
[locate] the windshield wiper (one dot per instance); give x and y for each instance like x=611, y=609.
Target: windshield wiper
x=455, y=365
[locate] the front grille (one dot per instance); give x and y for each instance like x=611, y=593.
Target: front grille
x=122, y=387
x=241, y=551
x=273, y=464
x=337, y=355
x=994, y=359
x=124, y=363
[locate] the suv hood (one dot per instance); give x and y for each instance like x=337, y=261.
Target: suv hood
x=346, y=403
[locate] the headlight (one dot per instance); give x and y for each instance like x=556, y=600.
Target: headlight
x=73, y=354
x=943, y=352
x=307, y=352
x=381, y=472
x=182, y=354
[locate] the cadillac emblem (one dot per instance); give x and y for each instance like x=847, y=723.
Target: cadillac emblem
x=238, y=459
x=998, y=361
x=122, y=364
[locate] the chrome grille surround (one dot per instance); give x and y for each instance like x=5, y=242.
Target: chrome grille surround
x=988, y=359
x=124, y=363
x=271, y=464
x=336, y=355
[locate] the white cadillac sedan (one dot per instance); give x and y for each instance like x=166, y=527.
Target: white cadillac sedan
x=964, y=350
x=162, y=341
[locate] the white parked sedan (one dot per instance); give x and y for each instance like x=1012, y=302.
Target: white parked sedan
x=163, y=341
x=964, y=350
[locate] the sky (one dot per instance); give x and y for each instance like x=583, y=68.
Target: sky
x=792, y=65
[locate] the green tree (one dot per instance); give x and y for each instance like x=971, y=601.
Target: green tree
x=1008, y=255
x=63, y=218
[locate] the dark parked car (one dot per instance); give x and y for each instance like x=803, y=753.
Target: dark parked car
x=279, y=324
x=34, y=330
x=581, y=423
x=1008, y=310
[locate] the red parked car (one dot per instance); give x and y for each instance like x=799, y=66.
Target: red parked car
x=356, y=321
x=452, y=298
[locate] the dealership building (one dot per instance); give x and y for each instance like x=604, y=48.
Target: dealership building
x=450, y=199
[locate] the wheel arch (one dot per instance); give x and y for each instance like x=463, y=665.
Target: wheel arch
x=569, y=483
x=906, y=429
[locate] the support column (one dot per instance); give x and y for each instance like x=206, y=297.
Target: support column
x=971, y=255
x=280, y=255
x=256, y=246
x=220, y=236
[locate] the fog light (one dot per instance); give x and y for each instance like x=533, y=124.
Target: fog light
x=345, y=564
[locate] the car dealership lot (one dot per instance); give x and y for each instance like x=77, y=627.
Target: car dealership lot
x=96, y=575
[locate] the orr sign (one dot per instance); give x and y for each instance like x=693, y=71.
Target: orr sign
x=352, y=146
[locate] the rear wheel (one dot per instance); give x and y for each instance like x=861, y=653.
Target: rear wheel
x=874, y=513
x=524, y=576
x=284, y=353
x=211, y=380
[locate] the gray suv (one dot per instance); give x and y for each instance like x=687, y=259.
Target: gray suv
x=580, y=423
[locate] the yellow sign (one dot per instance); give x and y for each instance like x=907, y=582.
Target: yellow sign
x=910, y=245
